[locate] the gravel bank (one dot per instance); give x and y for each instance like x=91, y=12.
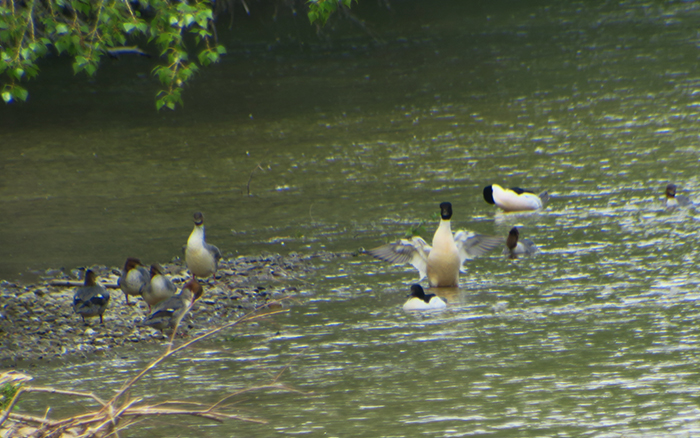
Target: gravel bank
x=37, y=321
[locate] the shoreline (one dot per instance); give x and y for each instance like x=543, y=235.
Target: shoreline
x=38, y=324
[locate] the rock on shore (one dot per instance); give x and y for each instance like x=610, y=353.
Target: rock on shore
x=37, y=321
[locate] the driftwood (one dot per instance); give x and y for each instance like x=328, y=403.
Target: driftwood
x=117, y=413
x=79, y=283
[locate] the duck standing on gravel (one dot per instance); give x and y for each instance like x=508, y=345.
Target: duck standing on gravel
x=161, y=287
x=168, y=313
x=91, y=299
x=134, y=279
x=514, y=198
x=202, y=258
x=442, y=262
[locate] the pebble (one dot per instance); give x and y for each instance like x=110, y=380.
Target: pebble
x=37, y=322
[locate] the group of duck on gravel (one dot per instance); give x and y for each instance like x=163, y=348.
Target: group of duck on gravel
x=440, y=263
x=165, y=308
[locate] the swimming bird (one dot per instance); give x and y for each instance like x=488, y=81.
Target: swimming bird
x=161, y=287
x=514, y=198
x=421, y=301
x=202, y=258
x=91, y=299
x=168, y=313
x=134, y=279
x=673, y=200
x=516, y=246
x=442, y=262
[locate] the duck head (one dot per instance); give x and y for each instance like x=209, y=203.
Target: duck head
x=193, y=288
x=488, y=194
x=418, y=292
x=512, y=240
x=156, y=269
x=131, y=263
x=446, y=211
x=198, y=218
x=671, y=191
x=90, y=278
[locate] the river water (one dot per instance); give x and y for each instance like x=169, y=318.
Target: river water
x=349, y=144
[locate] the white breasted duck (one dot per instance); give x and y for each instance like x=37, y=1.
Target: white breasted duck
x=202, y=258
x=135, y=279
x=673, y=200
x=91, y=299
x=516, y=246
x=161, y=287
x=168, y=313
x=514, y=198
x=421, y=301
x=442, y=262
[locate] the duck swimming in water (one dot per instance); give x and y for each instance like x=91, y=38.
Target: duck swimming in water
x=202, y=258
x=91, y=299
x=673, y=200
x=516, y=246
x=134, y=279
x=514, y=198
x=421, y=301
x=442, y=262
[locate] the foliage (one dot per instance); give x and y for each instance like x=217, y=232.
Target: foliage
x=7, y=394
x=87, y=30
x=321, y=10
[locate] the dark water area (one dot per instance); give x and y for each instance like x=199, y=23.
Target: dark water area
x=359, y=135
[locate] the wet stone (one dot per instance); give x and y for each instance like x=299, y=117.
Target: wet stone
x=39, y=321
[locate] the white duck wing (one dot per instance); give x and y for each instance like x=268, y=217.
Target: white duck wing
x=471, y=245
x=414, y=251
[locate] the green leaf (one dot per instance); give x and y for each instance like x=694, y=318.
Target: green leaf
x=128, y=27
x=61, y=29
x=7, y=96
x=21, y=93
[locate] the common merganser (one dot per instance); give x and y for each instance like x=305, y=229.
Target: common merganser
x=134, y=279
x=442, y=262
x=91, y=299
x=516, y=246
x=202, y=258
x=161, y=288
x=421, y=301
x=168, y=313
x=514, y=198
x=673, y=200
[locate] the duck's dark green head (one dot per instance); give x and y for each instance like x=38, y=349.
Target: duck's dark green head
x=446, y=211
x=488, y=194
x=418, y=292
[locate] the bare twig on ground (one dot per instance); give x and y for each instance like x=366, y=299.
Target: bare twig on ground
x=120, y=412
